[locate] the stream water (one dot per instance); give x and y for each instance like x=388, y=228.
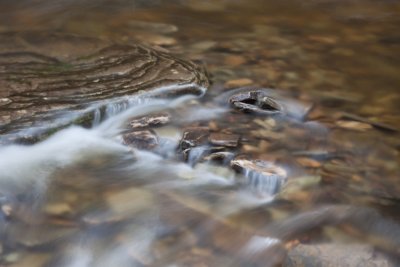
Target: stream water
x=242, y=133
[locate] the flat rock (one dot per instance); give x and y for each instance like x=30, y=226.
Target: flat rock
x=47, y=75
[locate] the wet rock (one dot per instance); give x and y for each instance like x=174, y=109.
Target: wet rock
x=150, y=120
x=42, y=85
x=194, y=136
x=332, y=255
x=221, y=139
x=146, y=139
x=244, y=164
x=257, y=102
x=269, y=102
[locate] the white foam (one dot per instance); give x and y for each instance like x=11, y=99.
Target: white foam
x=25, y=168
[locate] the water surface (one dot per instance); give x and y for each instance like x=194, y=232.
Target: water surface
x=309, y=179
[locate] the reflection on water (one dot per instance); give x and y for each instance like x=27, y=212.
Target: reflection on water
x=305, y=174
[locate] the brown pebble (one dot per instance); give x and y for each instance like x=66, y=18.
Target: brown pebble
x=323, y=39
x=234, y=60
x=57, y=209
x=238, y=83
x=309, y=163
x=250, y=148
x=155, y=39
x=213, y=126
x=353, y=125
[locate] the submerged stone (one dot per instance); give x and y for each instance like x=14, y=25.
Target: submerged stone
x=145, y=139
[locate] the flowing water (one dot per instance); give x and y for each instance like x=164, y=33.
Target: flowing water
x=199, y=133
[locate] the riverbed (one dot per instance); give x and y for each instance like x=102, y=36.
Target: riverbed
x=199, y=133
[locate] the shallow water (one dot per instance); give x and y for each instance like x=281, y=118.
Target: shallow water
x=302, y=171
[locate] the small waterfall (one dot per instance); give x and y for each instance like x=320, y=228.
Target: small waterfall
x=195, y=154
x=96, y=117
x=264, y=185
